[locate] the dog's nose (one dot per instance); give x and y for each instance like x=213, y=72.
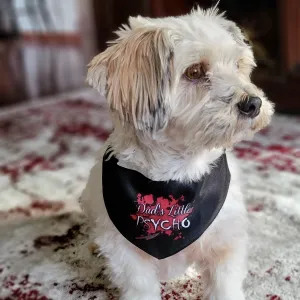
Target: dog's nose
x=250, y=107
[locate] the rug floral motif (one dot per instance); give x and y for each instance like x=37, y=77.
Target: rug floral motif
x=46, y=152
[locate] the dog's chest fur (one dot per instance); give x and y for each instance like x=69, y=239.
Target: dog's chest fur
x=225, y=231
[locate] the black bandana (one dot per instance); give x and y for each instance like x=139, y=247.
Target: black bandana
x=160, y=217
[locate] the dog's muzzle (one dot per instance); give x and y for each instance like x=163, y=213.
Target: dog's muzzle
x=250, y=107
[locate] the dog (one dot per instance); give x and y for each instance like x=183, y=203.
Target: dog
x=180, y=95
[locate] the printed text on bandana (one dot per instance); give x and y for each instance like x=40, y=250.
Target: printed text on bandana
x=162, y=215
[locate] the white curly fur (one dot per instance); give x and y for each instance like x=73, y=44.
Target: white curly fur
x=177, y=137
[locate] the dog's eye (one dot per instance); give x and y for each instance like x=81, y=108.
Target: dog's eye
x=195, y=72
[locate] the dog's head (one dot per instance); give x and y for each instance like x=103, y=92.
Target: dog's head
x=185, y=78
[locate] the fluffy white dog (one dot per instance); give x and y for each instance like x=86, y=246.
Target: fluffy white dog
x=180, y=94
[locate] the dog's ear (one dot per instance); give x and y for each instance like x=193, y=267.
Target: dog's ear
x=248, y=61
x=230, y=26
x=239, y=36
x=135, y=75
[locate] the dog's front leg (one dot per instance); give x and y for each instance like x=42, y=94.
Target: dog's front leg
x=139, y=281
x=134, y=274
x=224, y=274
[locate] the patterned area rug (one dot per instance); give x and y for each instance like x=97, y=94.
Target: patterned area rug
x=46, y=152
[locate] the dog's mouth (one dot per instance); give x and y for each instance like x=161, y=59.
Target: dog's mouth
x=255, y=124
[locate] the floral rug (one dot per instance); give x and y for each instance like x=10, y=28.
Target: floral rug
x=46, y=152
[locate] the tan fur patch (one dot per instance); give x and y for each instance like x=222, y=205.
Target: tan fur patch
x=222, y=254
x=138, y=76
x=93, y=248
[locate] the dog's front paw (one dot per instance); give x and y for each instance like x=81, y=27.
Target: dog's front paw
x=135, y=295
x=235, y=295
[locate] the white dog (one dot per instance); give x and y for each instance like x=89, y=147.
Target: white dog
x=180, y=93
